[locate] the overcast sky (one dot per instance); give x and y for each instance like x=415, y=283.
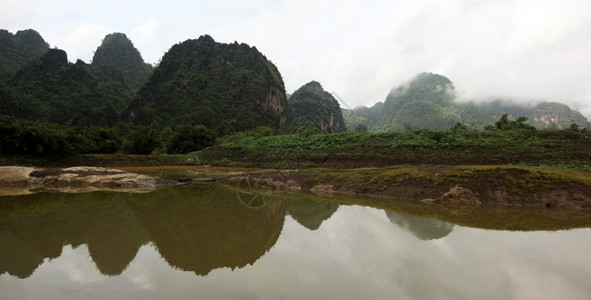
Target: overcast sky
x=530, y=50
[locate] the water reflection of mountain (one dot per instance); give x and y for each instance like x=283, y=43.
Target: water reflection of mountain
x=422, y=228
x=196, y=229
x=210, y=231
x=310, y=212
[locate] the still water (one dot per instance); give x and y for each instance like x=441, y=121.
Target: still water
x=212, y=242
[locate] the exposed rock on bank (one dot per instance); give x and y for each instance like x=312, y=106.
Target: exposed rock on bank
x=74, y=179
x=265, y=183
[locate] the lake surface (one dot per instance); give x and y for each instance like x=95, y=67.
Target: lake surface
x=212, y=242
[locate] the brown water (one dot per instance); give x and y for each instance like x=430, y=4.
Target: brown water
x=211, y=242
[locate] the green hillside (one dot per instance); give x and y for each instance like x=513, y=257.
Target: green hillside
x=17, y=49
x=53, y=90
x=227, y=87
x=118, y=53
x=426, y=102
x=313, y=107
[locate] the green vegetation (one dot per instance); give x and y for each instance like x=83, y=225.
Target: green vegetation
x=190, y=138
x=17, y=49
x=425, y=102
x=456, y=146
x=18, y=136
x=52, y=90
x=117, y=54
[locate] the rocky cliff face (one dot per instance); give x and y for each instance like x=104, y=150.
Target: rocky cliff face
x=312, y=106
x=557, y=116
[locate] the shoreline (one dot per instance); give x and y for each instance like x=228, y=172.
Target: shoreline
x=504, y=185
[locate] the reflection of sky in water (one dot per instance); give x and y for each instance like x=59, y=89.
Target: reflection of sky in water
x=356, y=254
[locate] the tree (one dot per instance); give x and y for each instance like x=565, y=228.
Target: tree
x=144, y=140
x=505, y=124
x=190, y=138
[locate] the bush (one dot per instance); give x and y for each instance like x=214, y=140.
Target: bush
x=29, y=137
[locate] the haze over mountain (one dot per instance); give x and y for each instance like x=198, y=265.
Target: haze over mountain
x=428, y=101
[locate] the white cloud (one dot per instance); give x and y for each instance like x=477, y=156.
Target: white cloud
x=16, y=14
x=145, y=37
x=83, y=41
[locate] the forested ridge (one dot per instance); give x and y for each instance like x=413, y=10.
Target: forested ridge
x=201, y=89
x=203, y=92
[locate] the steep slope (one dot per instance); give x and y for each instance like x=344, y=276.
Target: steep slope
x=17, y=49
x=229, y=87
x=312, y=106
x=424, y=102
x=117, y=53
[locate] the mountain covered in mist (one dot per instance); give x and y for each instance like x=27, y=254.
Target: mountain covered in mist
x=428, y=101
x=229, y=87
x=311, y=106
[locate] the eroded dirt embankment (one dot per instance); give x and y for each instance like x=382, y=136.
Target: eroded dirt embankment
x=466, y=185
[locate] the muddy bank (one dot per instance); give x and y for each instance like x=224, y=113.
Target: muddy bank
x=435, y=185
x=465, y=185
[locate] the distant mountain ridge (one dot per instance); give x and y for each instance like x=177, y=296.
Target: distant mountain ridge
x=428, y=102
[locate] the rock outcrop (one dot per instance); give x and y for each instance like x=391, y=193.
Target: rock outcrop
x=74, y=179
